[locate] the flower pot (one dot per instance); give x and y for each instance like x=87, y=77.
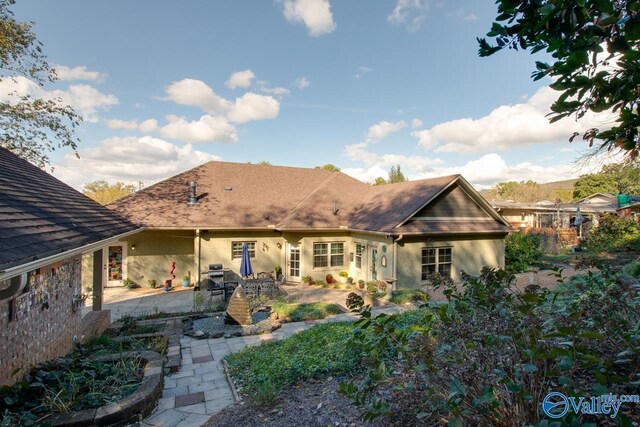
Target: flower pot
x=343, y=280
x=185, y=283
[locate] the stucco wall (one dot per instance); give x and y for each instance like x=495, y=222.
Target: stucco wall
x=468, y=253
x=154, y=252
x=43, y=320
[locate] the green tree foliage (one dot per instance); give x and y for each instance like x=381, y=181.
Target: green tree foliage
x=521, y=251
x=527, y=191
x=613, y=178
x=105, y=193
x=30, y=127
x=595, y=58
x=396, y=175
x=329, y=167
x=380, y=181
x=613, y=234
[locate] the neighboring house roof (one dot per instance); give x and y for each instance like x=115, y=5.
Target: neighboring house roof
x=41, y=216
x=598, y=198
x=250, y=196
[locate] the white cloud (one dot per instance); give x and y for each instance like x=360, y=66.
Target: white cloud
x=196, y=93
x=382, y=129
x=149, y=125
x=410, y=13
x=240, y=79
x=416, y=123
x=314, y=14
x=128, y=159
x=79, y=73
x=278, y=91
x=207, y=129
x=252, y=106
x=491, y=169
x=85, y=99
x=302, y=82
x=362, y=71
x=505, y=127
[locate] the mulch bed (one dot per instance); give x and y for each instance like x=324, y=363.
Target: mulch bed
x=311, y=403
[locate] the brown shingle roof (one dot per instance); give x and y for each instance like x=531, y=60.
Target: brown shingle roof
x=41, y=216
x=231, y=195
x=283, y=198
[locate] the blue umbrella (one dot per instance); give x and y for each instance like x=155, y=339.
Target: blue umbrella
x=245, y=264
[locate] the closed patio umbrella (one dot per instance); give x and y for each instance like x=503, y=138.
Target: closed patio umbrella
x=578, y=221
x=245, y=263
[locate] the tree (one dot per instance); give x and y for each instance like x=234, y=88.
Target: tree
x=30, y=127
x=264, y=162
x=105, y=193
x=596, y=59
x=329, y=167
x=613, y=178
x=396, y=175
x=380, y=181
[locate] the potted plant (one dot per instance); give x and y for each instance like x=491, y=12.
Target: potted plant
x=308, y=280
x=361, y=284
x=186, y=281
x=350, y=280
x=130, y=284
x=343, y=277
x=152, y=283
x=329, y=278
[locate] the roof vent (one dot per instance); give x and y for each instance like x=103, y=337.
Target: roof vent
x=227, y=188
x=335, y=209
x=193, y=200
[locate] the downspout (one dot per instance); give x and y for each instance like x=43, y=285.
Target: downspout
x=395, y=259
x=197, y=254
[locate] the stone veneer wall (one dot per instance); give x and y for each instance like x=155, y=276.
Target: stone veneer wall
x=39, y=324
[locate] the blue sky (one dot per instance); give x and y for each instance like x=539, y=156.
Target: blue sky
x=166, y=85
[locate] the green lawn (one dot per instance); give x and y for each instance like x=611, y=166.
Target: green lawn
x=300, y=312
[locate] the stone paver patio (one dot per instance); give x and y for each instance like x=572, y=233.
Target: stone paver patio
x=200, y=388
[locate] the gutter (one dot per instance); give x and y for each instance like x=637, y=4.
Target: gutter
x=30, y=266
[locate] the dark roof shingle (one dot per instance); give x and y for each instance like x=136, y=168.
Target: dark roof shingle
x=41, y=216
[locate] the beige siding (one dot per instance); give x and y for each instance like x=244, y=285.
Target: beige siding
x=468, y=253
x=453, y=203
x=154, y=252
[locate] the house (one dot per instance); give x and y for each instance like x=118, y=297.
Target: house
x=45, y=227
x=310, y=221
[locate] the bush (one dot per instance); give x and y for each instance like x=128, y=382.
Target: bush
x=491, y=353
x=308, y=279
x=521, y=251
x=354, y=301
x=612, y=235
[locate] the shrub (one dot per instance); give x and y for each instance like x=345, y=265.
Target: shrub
x=372, y=288
x=612, y=235
x=491, y=353
x=307, y=279
x=307, y=311
x=521, y=251
x=319, y=283
x=354, y=301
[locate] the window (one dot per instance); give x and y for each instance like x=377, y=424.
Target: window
x=328, y=254
x=236, y=249
x=359, y=252
x=436, y=260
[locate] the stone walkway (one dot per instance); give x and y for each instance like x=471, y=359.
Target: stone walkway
x=200, y=388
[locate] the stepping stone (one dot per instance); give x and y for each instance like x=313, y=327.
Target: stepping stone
x=203, y=359
x=189, y=399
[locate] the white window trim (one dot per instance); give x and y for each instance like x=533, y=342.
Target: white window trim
x=437, y=261
x=328, y=255
x=241, y=242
